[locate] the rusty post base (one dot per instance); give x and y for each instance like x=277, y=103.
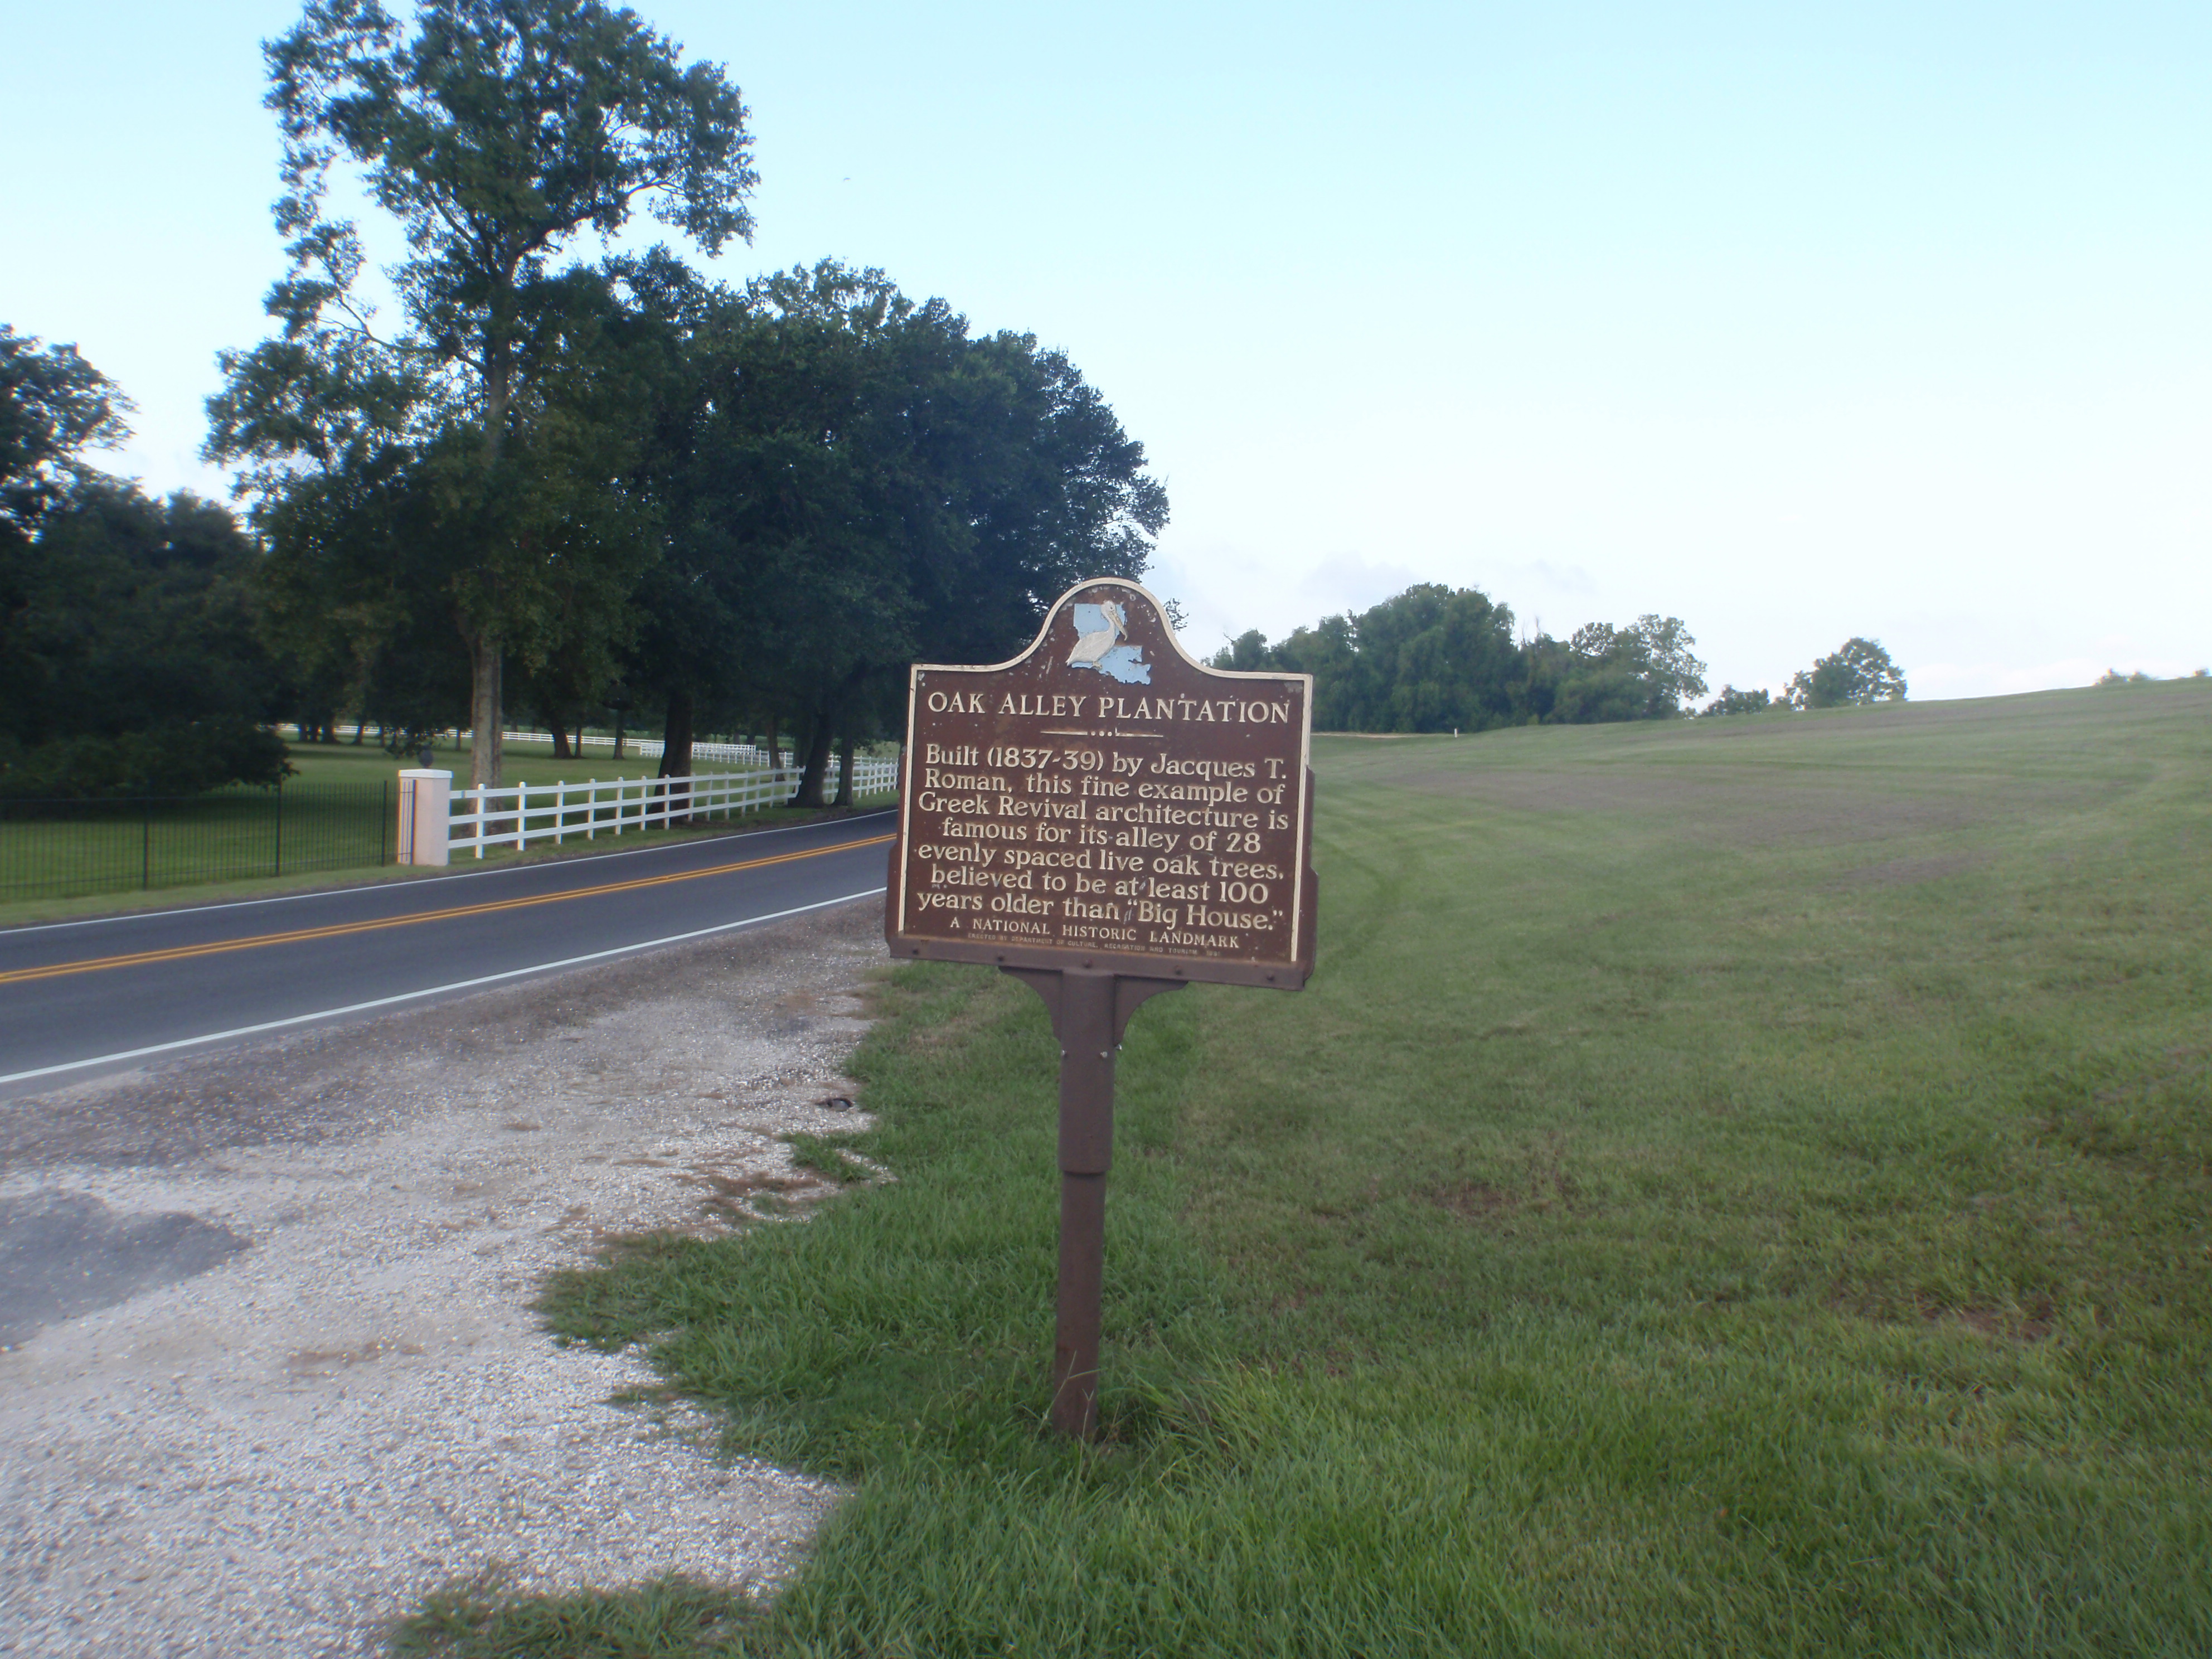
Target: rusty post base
x=1090, y=1013
x=1082, y=1276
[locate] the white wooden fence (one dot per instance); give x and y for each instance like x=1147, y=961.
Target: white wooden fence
x=521, y=814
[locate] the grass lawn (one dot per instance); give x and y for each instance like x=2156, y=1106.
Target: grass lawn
x=1731, y=1188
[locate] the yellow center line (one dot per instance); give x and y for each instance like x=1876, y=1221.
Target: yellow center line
x=180, y=953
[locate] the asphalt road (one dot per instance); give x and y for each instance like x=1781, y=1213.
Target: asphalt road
x=80, y=998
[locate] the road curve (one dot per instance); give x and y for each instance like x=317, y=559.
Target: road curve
x=80, y=998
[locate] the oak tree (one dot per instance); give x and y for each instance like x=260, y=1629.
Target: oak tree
x=495, y=132
x=1859, y=671
x=53, y=406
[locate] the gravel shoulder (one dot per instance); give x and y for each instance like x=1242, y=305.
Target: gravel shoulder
x=268, y=1369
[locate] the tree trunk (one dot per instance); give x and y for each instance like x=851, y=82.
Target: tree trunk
x=485, y=664
x=817, y=765
x=845, y=771
x=562, y=748
x=619, y=713
x=676, y=736
x=676, y=749
x=774, y=755
x=486, y=661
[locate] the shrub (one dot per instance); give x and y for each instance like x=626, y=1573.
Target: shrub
x=176, y=757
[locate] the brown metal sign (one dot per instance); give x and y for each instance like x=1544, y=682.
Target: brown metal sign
x=1104, y=803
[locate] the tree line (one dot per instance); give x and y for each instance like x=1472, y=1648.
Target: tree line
x=1440, y=658
x=130, y=661
x=572, y=485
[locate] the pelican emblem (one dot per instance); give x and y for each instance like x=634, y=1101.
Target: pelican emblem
x=1099, y=631
x=1091, y=646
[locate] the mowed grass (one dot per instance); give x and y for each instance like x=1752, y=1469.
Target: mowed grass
x=1737, y=1188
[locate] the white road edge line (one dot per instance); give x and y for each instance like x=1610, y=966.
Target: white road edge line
x=417, y=996
x=426, y=881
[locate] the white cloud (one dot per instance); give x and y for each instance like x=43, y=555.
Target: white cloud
x=1347, y=581
x=1227, y=589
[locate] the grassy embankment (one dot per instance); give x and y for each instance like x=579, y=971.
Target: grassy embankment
x=190, y=841
x=1730, y=1188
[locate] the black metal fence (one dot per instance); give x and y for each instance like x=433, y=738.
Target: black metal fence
x=62, y=848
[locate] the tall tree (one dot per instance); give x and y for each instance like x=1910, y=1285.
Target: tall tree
x=53, y=406
x=134, y=634
x=856, y=482
x=1431, y=659
x=1446, y=656
x=1343, y=679
x=1644, y=671
x=1858, y=671
x=129, y=660
x=1248, y=653
x=495, y=132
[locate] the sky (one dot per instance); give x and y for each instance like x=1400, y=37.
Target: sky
x=1796, y=322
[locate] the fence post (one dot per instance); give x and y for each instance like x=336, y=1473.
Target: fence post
x=426, y=805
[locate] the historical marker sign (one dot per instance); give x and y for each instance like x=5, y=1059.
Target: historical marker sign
x=1102, y=801
x=1106, y=819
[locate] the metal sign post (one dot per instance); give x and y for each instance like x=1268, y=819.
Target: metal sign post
x=1104, y=819
x=1090, y=1013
